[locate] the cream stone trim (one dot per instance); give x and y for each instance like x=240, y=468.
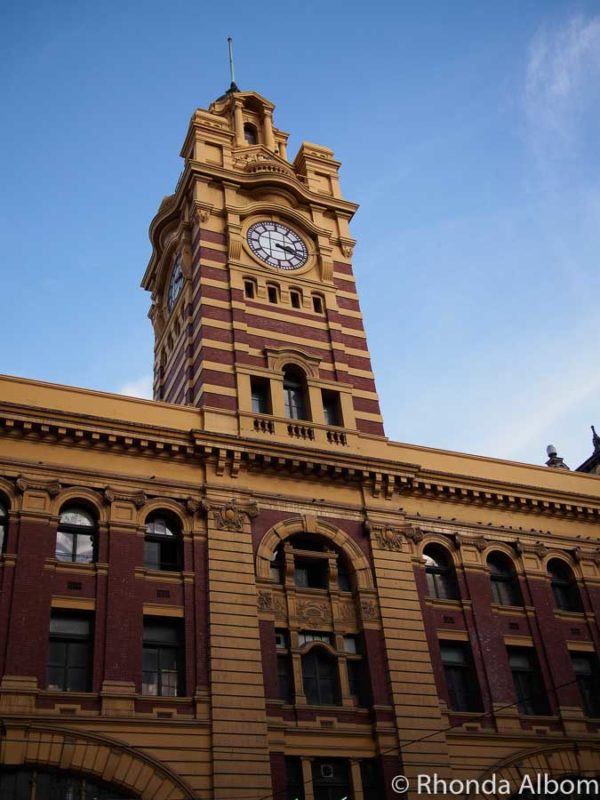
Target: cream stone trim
x=74, y=603
x=518, y=641
x=162, y=610
x=454, y=636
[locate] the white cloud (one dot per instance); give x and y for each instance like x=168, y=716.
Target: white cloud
x=140, y=387
x=562, y=77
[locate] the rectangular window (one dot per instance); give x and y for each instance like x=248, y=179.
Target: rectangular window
x=294, y=781
x=295, y=298
x=461, y=681
x=317, y=304
x=311, y=574
x=331, y=779
x=261, y=395
x=272, y=294
x=372, y=779
x=285, y=677
x=331, y=408
x=77, y=547
x=69, y=652
x=587, y=672
x=162, y=658
x=249, y=289
x=529, y=688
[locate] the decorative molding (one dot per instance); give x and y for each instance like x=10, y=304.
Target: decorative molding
x=139, y=499
x=368, y=610
x=53, y=487
x=264, y=601
x=233, y=515
x=278, y=357
x=313, y=612
x=193, y=506
x=202, y=211
x=387, y=537
x=413, y=533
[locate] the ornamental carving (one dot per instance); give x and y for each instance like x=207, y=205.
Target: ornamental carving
x=265, y=601
x=540, y=549
x=368, y=609
x=313, y=611
x=52, y=487
x=480, y=543
x=387, y=537
x=138, y=499
x=232, y=516
x=347, y=612
x=414, y=534
x=193, y=506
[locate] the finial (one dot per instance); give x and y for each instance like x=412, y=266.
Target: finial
x=554, y=460
x=233, y=86
x=595, y=440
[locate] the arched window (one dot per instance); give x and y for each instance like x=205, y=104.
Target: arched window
x=250, y=133
x=294, y=393
x=441, y=578
x=320, y=677
x=3, y=525
x=76, y=536
x=162, y=543
x=564, y=586
x=505, y=585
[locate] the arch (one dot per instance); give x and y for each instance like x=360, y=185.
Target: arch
x=556, y=760
x=279, y=357
x=91, y=755
x=564, y=585
x=506, y=590
x=440, y=571
x=308, y=524
x=81, y=496
x=162, y=541
x=9, y=495
x=168, y=506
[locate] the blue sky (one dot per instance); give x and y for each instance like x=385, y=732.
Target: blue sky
x=468, y=133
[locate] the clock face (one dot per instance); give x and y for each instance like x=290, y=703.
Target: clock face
x=175, y=285
x=277, y=245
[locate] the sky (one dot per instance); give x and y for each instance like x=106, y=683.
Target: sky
x=468, y=133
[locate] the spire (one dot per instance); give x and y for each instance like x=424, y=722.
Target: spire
x=233, y=87
x=595, y=440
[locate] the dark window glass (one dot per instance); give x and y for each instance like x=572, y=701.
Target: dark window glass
x=285, y=677
x=441, y=578
x=311, y=573
x=331, y=779
x=587, y=672
x=343, y=575
x=3, y=525
x=76, y=535
x=372, y=779
x=294, y=395
x=162, y=658
x=461, y=681
x=249, y=290
x=529, y=688
x=272, y=294
x=162, y=543
x=356, y=679
x=295, y=298
x=250, y=134
x=29, y=784
x=331, y=408
x=277, y=565
x=294, y=781
x=564, y=586
x=261, y=400
x=505, y=584
x=320, y=678
x=69, y=653
x=317, y=304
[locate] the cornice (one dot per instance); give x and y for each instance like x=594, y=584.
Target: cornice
x=380, y=477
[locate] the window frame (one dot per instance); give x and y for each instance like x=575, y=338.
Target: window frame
x=77, y=531
x=442, y=583
x=174, y=648
x=564, y=586
x=588, y=689
x=70, y=640
x=505, y=586
x=462, y=684
x=295, y=394
x=321, y=689
x=530, y=701
x=4, y=509
x=167, y=541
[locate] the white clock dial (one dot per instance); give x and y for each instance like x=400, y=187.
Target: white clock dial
x=175, y=285
x=277, y=245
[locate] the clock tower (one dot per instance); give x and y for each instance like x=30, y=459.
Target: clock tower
x=254, y=304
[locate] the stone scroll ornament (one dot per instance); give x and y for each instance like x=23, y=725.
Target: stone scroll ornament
x=232, y=515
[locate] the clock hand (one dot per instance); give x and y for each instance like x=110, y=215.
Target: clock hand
x=291, y=250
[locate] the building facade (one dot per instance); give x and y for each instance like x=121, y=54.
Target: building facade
x=243, y=590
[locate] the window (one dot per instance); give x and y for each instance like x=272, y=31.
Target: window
x=505, y=584
x=564, y=586
x=587, y=672
x=294, y=393
x=75, y=538
x=441, y=578
x=295, y=298
x=162, y=658
x=24, y=783
x=285, y=678
x=261, y=395
x=343, y=575
x=3, y=526
x=273, y=294
x=69, y=652
x=250, y=289
x=331, y=779
x=311, y=573
x=294, y=781
x=306, y=637
x=317, y=304
x=162, y=543
x=332, y=411
x=371, y=778
x=320, y=678
x=461, y=681
x=250, y=134
x=529, y=688
x=277, y=566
